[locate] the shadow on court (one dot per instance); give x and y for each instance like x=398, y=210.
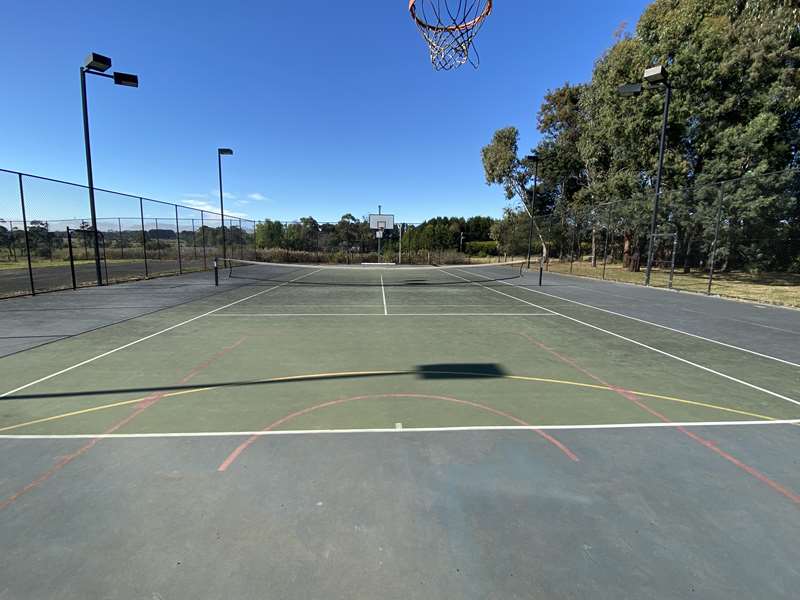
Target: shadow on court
x=438, y=371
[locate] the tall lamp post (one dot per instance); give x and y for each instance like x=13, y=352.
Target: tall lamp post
x=654, y=76
x=220, y=153
x=97, y=64
x=534, y=158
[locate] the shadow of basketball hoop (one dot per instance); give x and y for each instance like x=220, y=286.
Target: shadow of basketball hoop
x=460, y=371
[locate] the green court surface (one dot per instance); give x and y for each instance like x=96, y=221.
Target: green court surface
x=303, y=354
x=397, y=433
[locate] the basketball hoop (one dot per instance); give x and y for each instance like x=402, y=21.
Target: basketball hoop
x=449, y=27
x=379, y=233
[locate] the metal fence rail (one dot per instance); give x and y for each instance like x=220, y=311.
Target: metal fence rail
x=138, y=237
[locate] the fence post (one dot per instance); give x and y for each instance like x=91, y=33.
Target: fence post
x=712, y=255
x=178, y=239
x=105, y=258
x=194, y=240
x=241, y=241
x=203, y=230
x=158, y=241
x=672, y=266
x=144, y=239
x=49, y=241
x=25, y=231
x=71, y=260
x=121, y=239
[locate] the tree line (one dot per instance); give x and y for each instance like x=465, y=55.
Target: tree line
x=350, y=234
x=732, y=145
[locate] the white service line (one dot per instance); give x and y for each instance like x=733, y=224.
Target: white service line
x=643, y=345
x=147, y=337
x=383, y=293
x=694, y=335
x=402, y=430
x=284, y=315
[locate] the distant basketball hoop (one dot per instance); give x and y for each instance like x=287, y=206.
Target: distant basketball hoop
x=380, y=224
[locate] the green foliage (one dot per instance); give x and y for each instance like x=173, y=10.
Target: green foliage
x=511, y=232
x=735, y=69
x=485, y=248
x=478, y=228
x=502, y=166
x=269, y=234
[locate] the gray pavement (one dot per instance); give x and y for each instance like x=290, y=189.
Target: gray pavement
x=30, y=321
x=772, y=330
x=644, y=514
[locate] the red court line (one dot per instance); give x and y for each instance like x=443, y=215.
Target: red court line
x=246, y=444
x=629, y=395
x=140, y=408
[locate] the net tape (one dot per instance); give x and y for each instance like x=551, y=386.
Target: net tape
x=449, y=27
x=370, y=275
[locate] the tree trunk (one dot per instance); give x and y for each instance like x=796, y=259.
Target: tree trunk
x=594, y=246
x=626, y=250
x=687, y=267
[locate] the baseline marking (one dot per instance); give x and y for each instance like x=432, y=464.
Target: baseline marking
x=643, y=345
x=404, y=429
x=147, y=337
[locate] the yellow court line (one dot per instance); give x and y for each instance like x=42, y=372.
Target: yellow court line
x=647, y=395
x=405, y=372
x=97, y=408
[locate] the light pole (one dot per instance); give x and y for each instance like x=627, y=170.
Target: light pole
x=654, y=76
x=97, y=64
x=534, y=158
x=220, y=153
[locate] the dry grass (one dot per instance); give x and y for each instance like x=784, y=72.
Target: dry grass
x=771, y=288
x=39, y=264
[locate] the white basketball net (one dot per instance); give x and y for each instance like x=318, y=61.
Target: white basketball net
x=449, y=27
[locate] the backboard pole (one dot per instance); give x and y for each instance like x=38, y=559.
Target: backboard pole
x=400, y=252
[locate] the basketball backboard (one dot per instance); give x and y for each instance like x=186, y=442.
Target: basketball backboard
x=378, y=221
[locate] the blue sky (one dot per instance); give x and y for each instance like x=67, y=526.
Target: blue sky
x=331, y=107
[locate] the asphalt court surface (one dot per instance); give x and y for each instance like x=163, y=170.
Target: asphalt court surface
x=480, y=438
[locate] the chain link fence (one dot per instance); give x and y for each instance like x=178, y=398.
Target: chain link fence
x=137, y=237
x=738, y=238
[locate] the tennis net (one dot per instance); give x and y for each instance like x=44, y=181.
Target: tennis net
x=364, y=275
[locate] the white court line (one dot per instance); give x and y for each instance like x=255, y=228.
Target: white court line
x=694, y=335
x=147, y=337
x=383, y=293
x=259, y=315
x=404, y=429
x=641, y=344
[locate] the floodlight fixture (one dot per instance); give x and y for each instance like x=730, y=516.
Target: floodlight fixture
x=655, y=75
x=97, y=62
x=126, y=79
x=629, y=89
x=225, y=152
